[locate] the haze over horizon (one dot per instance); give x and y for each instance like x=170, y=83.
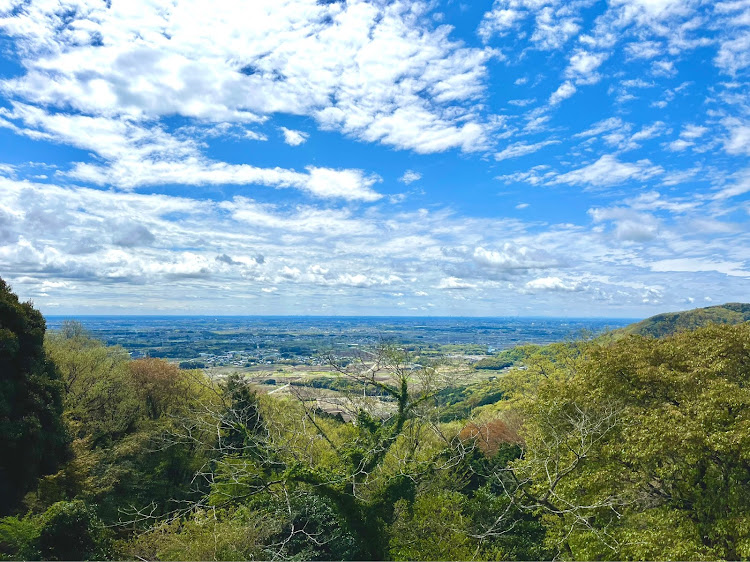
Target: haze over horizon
x=299, y=157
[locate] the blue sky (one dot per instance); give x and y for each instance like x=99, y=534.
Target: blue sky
x=515, y=157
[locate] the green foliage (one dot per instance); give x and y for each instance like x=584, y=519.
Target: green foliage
x=507, y=532
x=206, y=535
x=433, y=528
x=459, y=401
x=19, y=538
x=101, y=400
x=192, y=365
x=33, y=440
x=506, y=358
x=122, y=414
x=242, y=423
x=643, y=451
x=630, y=448
x=312, y=528
x=72, y=531
x=65, y=531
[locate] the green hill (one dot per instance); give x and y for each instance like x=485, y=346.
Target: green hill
x=673, y=322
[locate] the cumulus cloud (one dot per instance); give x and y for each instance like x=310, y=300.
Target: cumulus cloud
x=582, y=66
x=129, y=234
x=680, y=145
x=738, y=141
x=330, y=256
x=353, y=185
x=553, y=31
x=511, y=256
x=454, y=283
x=553, y=24
x=630, y=225
x=566, y=90
x=292, y=137
x=139, y=156
x=145, y=101
x=410, y=176
x=693, y=131
x=370, y=70
x=734, y=54
x=608, y=171
x=550, y=284
x=644, y=49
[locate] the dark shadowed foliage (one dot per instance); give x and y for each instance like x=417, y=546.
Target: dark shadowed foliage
x=32, y=438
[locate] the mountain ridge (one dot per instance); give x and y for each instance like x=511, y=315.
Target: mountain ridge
x=669, y=323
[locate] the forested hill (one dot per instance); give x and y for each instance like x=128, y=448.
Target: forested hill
x=670, y=323
x=629, y=449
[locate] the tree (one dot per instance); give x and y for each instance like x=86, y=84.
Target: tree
x=643, y=451
x=119, y=412
x=33, y=440
x=72, y=531
x=101, y=399
x=433, y=528
x=162, y=387
x=65, y=531
x=298, y=451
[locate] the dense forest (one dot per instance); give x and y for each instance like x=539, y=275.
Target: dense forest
x=632, y=447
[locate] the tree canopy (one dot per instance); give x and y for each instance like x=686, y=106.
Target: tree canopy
x=626, y=448
x=33, y=440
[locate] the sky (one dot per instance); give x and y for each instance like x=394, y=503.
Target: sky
x=305, y=157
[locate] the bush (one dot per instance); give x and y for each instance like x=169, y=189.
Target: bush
x=72, y=531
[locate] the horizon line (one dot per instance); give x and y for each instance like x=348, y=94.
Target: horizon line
x=342, y=316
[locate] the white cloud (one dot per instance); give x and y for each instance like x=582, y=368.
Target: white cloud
x=607, y=171
x=376, y=72
x=629, y=225
x=518, y=149
x=522, y=102
x=693, y=131
x=734, y=54
x=739, y=184
x=498, y=21
x=304, y=220
x=663, y=68
x=292, y=137
x=141, y=156
x=583, y=65
x=553, y=25
x=552, y=31
x=738, y=141
x=603, y=126
x=511, y=256
x=142, y=94
x=347, y=184
x=410, y=176
x=696, y=265
x=352, y=185
x=454, y=283
x=337, y=257
x=680, y=145
x=550, y=284
x=566, y=90
x=644, y=49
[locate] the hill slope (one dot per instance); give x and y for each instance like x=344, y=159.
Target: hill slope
x=672, y=322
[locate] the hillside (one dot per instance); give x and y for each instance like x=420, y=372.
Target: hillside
x=673, y=322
